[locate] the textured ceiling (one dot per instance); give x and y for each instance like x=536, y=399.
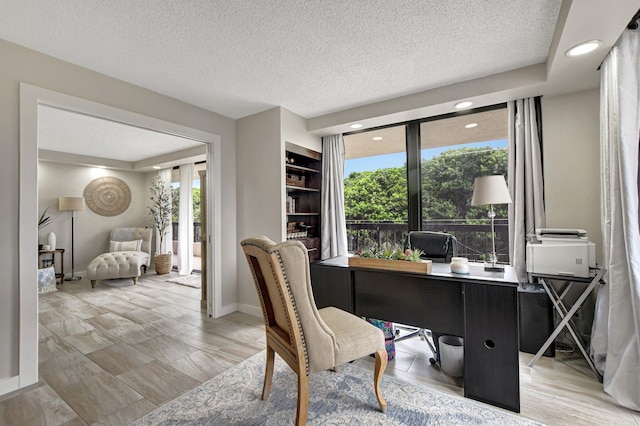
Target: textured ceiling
x=239, y=57
x=79, y=134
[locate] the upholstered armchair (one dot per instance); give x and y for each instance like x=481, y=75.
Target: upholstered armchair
x=307, y=339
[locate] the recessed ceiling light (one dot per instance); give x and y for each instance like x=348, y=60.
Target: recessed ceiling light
x=584, y=48
x=471, y=125
x=464, y=104
x=356, y=126
x=156, y=167
x=377, y=138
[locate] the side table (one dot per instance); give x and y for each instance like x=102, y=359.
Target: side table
x=51, y=261
x=565, y=314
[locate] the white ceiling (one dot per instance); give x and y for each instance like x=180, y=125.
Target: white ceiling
x=73, y=133
x=329, y=61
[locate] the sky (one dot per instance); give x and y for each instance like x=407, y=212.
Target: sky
x=399, y=159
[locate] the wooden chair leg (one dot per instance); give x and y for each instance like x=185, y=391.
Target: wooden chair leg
x=268, y=373
x=381, y=364
x=303, y=399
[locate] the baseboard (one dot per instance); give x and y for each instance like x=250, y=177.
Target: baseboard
x=9, y=385
x=227, y=309
x=250, y=310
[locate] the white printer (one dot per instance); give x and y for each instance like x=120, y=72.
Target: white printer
x=561, y=252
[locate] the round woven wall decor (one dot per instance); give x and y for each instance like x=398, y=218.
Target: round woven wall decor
x=107, y=196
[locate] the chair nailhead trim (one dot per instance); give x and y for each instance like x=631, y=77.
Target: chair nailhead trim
x=295, y=309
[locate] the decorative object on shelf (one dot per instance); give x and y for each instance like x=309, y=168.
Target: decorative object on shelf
x=295, y=180
x=460, y=265
x=108, y=196
x=491, y=190
x=44, y=220
x=51, y=241
x=160, y=212
x=46, y=247
x=70, y=204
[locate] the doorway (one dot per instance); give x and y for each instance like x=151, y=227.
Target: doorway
x=30, y=98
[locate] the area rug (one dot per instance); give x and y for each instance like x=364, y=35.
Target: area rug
x=342, y=398
x=188, y=280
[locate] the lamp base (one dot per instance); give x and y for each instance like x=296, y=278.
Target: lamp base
x=73, y=278
x=493, y=267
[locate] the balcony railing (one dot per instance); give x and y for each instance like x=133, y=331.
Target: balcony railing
x=474, y=239
x=196, y=231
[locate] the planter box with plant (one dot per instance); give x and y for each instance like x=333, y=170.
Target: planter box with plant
x=391, y=259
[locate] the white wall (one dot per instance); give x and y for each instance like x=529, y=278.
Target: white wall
x=294, y=130
x=261, y=193
x=91, y=230
x=571, y=144
x=24, y=65
x=259, y=186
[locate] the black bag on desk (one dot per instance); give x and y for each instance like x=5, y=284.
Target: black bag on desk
x=437, y=246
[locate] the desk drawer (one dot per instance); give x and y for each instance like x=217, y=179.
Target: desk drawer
x=410, y=299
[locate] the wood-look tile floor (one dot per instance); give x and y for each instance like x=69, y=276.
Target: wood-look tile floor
x=112, y=354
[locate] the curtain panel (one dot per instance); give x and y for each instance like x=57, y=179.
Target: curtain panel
x=615, y=340
x=526, y=185
x=334, y=226
x=185, y=220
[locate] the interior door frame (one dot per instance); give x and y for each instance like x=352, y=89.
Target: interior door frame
x=32, y=96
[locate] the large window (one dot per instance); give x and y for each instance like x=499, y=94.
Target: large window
x=454, y=151
x=419, y=175
x=375, y=187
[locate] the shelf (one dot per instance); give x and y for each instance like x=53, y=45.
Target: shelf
x=300, y=188
x=291, y=167
x=303, y=214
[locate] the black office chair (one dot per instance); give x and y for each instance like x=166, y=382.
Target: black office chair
x=439, y=247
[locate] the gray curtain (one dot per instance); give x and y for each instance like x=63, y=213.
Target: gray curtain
x=334, y=227
x=615, y=337
x=524, y=178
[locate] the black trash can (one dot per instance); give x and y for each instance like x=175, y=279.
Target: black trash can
x=536, y=319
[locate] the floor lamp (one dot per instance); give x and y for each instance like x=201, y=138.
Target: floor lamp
x=491, y=190
x=72, y=204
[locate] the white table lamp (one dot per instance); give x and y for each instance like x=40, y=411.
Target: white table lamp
x=491, y=190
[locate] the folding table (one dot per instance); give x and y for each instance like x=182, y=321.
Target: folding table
x=566, y=315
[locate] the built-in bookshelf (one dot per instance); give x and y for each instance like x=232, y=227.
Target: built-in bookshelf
x=303, y=181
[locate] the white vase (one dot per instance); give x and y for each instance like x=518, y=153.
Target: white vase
x=51, y=240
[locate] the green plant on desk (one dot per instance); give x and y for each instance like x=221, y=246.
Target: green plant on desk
x=391, y=253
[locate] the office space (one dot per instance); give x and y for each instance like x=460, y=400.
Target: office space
x=570, y=125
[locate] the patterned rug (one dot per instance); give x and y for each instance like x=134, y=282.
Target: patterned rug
x=342, y=398
x=192, y=280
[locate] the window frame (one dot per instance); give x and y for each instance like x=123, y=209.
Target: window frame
x=414, y=158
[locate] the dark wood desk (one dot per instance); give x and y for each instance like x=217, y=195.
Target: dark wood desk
x=481, y=307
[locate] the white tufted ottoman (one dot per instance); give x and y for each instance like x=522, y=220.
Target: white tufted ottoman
x=119, y=264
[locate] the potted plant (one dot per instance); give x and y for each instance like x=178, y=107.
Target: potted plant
x=160, y=212
x=42, y=222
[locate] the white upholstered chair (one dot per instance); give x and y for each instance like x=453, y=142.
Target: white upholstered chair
x=307, y=339
x=129, y=254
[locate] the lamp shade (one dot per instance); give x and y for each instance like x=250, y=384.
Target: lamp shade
x=71, y=203
x=490, y=190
